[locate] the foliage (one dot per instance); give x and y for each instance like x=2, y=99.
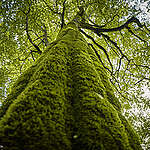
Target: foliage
x=115, y=31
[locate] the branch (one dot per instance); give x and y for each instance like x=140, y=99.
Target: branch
x=144, y=78
x=119, y=66
x=45, y=35
x=114, y=43
x=27, y=31
x=38, y=37
x=102, y=48
x=32, y=56
x=62, y=15
x=95, y=25
x=141, y=66
x=99, y=58
x=99, y=30
x=116, y=52
x=129, y=29
x=23, y=62
x=119, y=90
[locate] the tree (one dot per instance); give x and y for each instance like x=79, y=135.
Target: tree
x=64, y=100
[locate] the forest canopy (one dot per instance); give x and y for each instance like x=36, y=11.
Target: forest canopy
x=118, y=31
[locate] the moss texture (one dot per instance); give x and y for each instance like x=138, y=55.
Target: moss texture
x=65, y=102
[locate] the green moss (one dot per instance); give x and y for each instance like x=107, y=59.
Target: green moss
x=66, y=103
x=17, y=88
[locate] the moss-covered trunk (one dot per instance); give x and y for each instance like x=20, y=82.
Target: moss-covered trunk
x=65, y=102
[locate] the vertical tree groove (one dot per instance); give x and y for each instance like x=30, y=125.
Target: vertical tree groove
x=66, y=103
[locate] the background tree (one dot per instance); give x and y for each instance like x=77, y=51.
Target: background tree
x=120, y=41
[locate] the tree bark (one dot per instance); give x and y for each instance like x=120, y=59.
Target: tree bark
x=65, y=102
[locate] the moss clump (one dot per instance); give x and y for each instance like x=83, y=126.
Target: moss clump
x=18, y=87
x=65, y=103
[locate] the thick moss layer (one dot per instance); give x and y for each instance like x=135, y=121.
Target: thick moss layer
x=65, y=102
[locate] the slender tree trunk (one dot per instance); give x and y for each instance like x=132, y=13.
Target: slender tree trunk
x=65, y=102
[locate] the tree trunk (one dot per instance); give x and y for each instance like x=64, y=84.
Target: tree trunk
x=65, y=102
